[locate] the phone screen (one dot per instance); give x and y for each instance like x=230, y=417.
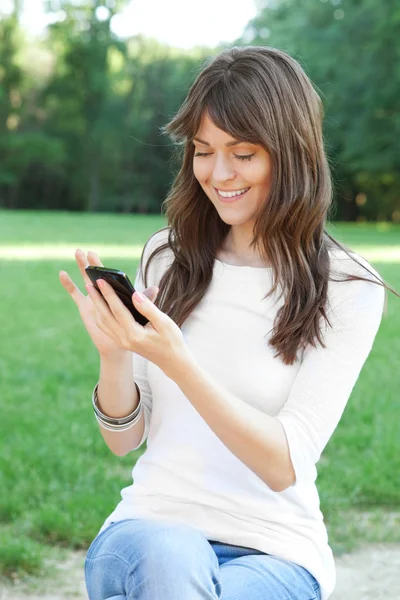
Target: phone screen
x=122, y=286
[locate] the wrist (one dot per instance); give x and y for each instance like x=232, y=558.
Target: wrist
x=121, y=423
x=180, y=369
x=116, y=357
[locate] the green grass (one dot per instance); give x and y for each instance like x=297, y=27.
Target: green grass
x=58, y=479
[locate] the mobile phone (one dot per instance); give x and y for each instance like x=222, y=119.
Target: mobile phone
x=120, y=283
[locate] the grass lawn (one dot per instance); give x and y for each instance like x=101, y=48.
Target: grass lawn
x=59, y=481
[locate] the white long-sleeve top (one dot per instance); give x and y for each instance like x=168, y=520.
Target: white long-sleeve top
x=188, y=475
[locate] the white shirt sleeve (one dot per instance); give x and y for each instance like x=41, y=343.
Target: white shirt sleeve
x=327, y=376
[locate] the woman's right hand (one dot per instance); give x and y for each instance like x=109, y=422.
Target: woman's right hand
x=105, y=345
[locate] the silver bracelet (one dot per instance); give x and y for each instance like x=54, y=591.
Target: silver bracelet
x=116, y=423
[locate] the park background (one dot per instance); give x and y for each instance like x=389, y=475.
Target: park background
x=83, y=163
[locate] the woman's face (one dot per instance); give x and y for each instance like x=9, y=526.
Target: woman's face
x=223, y=165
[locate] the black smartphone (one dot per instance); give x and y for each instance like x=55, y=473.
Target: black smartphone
x=120, y=283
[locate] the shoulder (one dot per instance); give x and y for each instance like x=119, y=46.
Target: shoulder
x=369, y=294
x=156, y=240
x=162, y=260
x=341, y=262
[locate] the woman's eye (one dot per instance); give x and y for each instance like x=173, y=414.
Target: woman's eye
x=244, y=156
x=238, y=156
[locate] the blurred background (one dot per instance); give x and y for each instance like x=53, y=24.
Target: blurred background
x=85, y=86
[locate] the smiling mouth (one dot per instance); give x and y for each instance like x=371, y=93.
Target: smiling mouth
x=229, y=196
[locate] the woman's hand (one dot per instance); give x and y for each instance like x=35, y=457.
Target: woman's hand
x=105, y=343
x=160, y=341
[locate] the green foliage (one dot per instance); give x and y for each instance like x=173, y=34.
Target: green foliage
x=19, y=554
x=28, y=157
x=10, y=71
x=351, y=51
x=97, y=112
x=81, y=110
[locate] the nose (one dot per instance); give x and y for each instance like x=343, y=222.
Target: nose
x=223, y=169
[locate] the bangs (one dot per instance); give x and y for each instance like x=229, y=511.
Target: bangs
x=232, y=107
x=228, y=110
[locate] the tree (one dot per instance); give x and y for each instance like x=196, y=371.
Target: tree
x=351, y=51
x=84, y=39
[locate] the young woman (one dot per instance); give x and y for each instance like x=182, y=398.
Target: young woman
x=252, y=350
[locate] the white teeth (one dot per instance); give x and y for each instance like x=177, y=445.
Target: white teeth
x=232, y=194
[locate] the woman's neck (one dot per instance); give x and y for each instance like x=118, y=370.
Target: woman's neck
x=236, y=250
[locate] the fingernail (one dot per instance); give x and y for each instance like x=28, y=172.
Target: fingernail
x=139, y=297
x=89, y=287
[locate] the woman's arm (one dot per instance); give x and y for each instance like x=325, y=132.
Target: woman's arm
x=255, y=438
x=327, y=376
x=118, y=397
x=284, y=450
x=117, y=393
x=281, y=450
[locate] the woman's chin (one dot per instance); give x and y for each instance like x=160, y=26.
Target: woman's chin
x=233, y=219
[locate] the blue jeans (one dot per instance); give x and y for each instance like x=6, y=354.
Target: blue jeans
x=143, y=559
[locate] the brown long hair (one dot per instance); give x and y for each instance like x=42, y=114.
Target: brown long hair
x=263, y=96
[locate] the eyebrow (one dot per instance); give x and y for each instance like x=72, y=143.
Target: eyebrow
x=228, y=144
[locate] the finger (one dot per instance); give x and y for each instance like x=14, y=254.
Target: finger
x=98, y=301
x=94, y=259
x=71, y=287
x=113, y=334
x=151, y=292
x=105, y=317
x=117, y=307
x=157, y=318
x=82, y=263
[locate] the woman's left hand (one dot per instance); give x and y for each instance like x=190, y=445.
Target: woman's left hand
x=160, y=341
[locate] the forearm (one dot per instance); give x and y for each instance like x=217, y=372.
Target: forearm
x=255, y=438
x=118, y=397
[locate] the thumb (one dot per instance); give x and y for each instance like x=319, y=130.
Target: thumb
x=151, y=292
x=146, y=307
